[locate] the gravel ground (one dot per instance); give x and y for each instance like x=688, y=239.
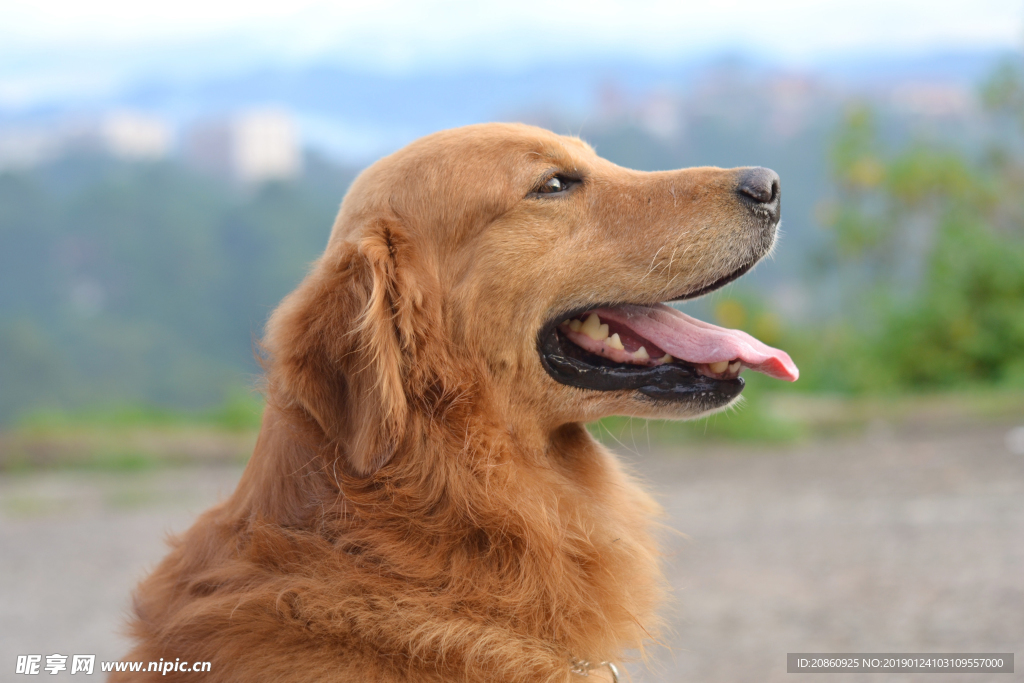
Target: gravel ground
x=887, y=543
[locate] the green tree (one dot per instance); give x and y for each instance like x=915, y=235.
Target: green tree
x=936, y=237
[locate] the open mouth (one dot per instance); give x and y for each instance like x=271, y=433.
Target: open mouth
x=656, y=350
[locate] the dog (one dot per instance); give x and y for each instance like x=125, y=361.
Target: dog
x=424, y=502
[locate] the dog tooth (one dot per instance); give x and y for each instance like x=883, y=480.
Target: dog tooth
x=592, y=327
x=566, y=322
x=641, y=354
x=666, y=358
x=575, y=325
x=614, y=342
x=719, y=366
x=734, y=366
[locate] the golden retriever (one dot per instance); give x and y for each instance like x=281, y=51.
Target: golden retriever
x=424, y=502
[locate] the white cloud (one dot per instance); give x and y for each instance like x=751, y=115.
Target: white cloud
x=113, y=40
x=785, y=26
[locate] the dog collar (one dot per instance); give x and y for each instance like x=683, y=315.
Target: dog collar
x=582, y=667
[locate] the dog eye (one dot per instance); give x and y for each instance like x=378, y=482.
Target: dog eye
x=554, y=185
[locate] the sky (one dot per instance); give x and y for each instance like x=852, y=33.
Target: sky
x=51, y=47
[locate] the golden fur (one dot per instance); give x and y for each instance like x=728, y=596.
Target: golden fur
x=423, y=502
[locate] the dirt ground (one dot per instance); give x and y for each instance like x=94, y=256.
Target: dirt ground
x=882, y=543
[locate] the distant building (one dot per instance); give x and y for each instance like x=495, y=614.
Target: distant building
x=27, y=146
x=661, y=115
x=934, y=100
x=249, y=147
x=130, y=135
x=122, y=134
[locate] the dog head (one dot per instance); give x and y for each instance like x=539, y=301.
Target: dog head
x=516, y=264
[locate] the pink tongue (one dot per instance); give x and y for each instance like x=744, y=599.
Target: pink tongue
x=696, y=341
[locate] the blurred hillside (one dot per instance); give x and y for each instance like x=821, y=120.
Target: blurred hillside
x=357, y=115
x=146, y=282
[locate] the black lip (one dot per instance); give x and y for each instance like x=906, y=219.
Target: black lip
x=569, y=364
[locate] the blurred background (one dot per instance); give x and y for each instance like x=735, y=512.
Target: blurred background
x=168, y=173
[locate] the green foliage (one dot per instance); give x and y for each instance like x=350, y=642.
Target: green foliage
x=967, y=323
x=934, y=242
x=145, y=283
x=241, y=411
x=1003, y=91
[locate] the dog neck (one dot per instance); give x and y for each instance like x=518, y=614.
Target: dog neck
x=484, y=555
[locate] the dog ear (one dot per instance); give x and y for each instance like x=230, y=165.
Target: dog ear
x=341, y=345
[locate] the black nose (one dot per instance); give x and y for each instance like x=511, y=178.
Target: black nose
x=760, y=186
